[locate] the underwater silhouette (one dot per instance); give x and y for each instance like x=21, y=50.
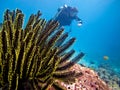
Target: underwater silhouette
x=66, y=14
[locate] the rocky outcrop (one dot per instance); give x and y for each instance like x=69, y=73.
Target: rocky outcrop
x=89, y=80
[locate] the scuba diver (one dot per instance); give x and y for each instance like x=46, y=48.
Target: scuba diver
x=66, y=15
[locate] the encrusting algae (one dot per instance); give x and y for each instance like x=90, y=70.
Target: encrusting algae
x=34, y=57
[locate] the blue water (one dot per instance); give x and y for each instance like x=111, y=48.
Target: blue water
x=98, y=36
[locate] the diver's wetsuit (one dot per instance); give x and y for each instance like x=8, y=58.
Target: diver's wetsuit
x=66, y=15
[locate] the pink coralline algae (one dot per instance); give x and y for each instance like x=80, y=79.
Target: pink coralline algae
x=88, y=81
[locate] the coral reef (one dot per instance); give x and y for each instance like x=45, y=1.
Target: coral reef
x=109, y=77
x=34, y=57
x=109, y=73
x=89, y=80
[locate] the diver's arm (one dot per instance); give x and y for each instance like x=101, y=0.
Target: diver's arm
x=77, y=18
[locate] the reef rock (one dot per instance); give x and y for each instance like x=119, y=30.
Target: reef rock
x=89, y=80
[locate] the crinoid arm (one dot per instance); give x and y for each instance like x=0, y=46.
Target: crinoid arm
x=34, y=57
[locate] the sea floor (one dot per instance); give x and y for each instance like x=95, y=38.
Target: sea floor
x=110, y=74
